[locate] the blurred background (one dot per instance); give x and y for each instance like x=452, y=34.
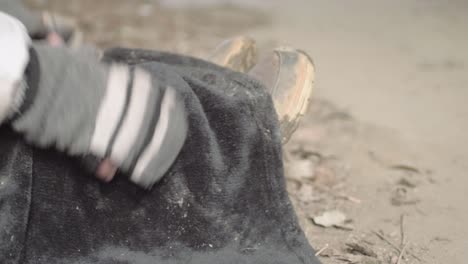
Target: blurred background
x=385, y=141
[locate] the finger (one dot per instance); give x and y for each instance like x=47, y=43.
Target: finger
x=106, y=171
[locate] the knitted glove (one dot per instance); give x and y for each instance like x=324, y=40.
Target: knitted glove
x=78, y=105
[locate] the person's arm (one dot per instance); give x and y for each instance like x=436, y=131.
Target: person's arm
x=115, y=112
x=71, y=101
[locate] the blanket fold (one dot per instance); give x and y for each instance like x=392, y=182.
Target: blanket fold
x=223, y=200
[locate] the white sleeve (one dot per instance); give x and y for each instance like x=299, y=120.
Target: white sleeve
x=14, y=51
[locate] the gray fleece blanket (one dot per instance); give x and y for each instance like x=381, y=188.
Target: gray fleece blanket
x=222, y=201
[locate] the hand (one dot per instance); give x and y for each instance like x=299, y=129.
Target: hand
x=54, y=39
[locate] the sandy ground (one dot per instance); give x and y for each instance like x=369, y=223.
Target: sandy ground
x=385, y=141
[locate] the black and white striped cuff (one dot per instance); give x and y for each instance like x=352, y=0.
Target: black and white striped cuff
x=135, y=121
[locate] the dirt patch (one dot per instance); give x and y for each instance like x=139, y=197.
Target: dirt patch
x=324, y=170
x=150, y=25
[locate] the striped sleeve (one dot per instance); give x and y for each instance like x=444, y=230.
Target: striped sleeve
x=113, y=112
x=140, y=125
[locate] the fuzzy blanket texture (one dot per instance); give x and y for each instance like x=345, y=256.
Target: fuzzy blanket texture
x=223, y=201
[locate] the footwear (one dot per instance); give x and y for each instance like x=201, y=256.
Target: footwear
x=288, y=74
x=66, y=27
x=238, y=54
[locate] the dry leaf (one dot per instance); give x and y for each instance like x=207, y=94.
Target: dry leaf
x=330, y=219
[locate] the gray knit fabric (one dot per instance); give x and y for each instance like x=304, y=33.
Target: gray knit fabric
x=84, y=107
x=63, y=113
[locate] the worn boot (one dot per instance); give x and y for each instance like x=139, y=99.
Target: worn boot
x=288, y=74
x=238, y=54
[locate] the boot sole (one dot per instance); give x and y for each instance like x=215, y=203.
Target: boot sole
x=293, y=90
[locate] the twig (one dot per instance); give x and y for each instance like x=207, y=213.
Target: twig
x=395, y=246
x=402, y=230
x=360, y=248
x=321, y=250
x=336, y=195
x=386, y=240
x=400, y=257
x=349, y=198
x=404, y=167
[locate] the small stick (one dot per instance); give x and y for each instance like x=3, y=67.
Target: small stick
x=321, y=250
x=402, y=230
x=394, y=246
x=400, y=257
x=386, y=240
x=349, y=198
x=340, y=196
